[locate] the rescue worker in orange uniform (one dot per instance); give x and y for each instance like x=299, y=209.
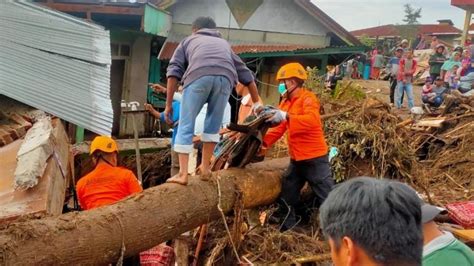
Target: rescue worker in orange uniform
x=298, y=114
x=107, y=183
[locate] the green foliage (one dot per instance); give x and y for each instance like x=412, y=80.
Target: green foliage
x=366, y=41
x=408, y=32
x=315, y=83
x=348, y=90
x=411, y=15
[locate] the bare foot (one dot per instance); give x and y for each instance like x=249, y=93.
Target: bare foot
x=178, y=179
x=203, y=175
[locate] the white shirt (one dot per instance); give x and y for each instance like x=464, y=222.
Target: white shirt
x=201, y=117
x=246, y=99
x=178, y=97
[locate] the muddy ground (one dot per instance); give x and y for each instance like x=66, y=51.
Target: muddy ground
x=381, y=90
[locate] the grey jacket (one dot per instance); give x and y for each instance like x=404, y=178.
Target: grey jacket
x=205, y=53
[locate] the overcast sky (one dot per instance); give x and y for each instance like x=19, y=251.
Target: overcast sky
x=359, y=14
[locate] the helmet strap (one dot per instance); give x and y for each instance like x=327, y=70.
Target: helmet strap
x=290, y=91
x=100, y=157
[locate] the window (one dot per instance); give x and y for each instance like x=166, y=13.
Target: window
x=120, y=49
x=114, y=47
x=125, y=50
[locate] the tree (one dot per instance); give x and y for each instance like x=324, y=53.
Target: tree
x=411, y=14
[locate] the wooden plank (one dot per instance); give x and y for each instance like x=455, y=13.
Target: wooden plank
x=465, y=30
x=92, y=8
x=127, y=146
x=60, y=169
x=437, y=123
x=405, y=123
x=48, y=195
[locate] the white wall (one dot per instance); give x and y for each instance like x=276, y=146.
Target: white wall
x=273, y=15
x=137, y=81
x=253, y=36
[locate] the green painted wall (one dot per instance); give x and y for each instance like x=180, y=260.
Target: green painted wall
x=156, y=22
x=125, y=36
x=154, y=76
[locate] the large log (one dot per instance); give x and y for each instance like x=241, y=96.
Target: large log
x=139, y=222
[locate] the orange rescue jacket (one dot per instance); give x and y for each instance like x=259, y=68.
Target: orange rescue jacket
x=305, y=131
x=106, y=185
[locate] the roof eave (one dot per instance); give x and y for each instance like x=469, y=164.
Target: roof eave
x=328, y=22
x=463, y=4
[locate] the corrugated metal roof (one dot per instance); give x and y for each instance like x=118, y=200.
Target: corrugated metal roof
x=56, y=63
x=168, y=48
x=48, y=30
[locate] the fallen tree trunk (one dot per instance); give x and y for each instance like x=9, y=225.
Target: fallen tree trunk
x=139, y=222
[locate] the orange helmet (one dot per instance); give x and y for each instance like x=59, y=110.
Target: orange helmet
x=103, y=143
x=292, y=70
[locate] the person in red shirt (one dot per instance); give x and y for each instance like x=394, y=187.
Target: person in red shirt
x=406, y=71
x=298, y=115
x=107, y=183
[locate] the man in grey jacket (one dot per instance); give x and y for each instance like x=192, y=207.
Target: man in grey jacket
x=208, y=69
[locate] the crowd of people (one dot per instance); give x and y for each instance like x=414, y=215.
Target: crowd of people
x=449, y=72
x=366, y=221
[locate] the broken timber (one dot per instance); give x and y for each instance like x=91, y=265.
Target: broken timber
x=139, y=222
x=431, y=122
x=127, y=146
x=47, y=197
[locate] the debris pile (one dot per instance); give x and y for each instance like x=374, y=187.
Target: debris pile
x=445, y=148
x=15, y=119
x=264, y=245
x=433, y=152
x=369, y=142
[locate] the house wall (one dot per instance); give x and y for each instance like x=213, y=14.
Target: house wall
x=137, y=82
x=135, y=77
x=268, y=87
x=272, y=15
x=253, y=36
x=275, y=16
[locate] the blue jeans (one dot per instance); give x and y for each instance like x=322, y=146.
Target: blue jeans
x=408, y=89
x=213, y=90
x=435, y=101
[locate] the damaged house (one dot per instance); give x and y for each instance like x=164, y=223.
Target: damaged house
x=60, y=65
x=265, y=33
